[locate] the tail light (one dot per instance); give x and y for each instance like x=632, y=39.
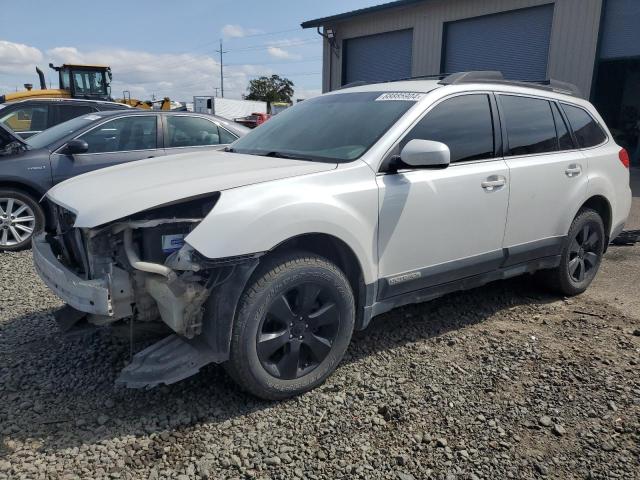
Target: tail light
x=624, y=157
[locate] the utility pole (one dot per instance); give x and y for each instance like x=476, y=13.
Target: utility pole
x=216, y=89
x=221, y=70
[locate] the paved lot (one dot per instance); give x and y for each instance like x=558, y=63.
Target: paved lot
x=502, y=382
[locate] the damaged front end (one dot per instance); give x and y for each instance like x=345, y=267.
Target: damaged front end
x=141, y=269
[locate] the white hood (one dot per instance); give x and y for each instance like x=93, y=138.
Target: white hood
x=112, y=193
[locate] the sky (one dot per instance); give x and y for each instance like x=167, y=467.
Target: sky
x=159, y=48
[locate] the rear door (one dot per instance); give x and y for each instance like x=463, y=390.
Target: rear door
x=188, y=133
x=548, y=176
x=120, y=140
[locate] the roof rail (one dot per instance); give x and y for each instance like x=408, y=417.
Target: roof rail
x=473, y=76
x=490, y=76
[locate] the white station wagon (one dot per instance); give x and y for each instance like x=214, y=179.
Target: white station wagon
x=267, y=256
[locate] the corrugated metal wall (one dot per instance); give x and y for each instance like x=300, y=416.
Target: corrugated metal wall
x=574, y=34
x=621, y=29
x=515, y=43
x=379, y=57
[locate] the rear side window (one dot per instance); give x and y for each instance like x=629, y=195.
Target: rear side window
x=226, y=137
x=67, y=112
x=462, y=123
x=588, y=133
x=564, y=136
x=187, y=131
x=530, y=125
x=26, y=119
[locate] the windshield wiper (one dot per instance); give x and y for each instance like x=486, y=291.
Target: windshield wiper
x=283, y=155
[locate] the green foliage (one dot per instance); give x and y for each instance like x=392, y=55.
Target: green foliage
x=270, y=89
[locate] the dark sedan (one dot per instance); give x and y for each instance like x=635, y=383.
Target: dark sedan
x=28, y=168
x=32, y=116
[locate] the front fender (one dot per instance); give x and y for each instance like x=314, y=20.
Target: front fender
x=256, y=218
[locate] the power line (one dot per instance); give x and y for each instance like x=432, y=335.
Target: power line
x=285, y=62
x=268, y=33
x=282, y=44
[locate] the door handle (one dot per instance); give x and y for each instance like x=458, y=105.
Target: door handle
x=573, y=170
x=494, y=182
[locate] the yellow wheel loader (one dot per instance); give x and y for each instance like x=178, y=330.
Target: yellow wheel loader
x=90, y=82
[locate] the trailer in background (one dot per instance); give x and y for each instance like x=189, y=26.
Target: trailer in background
x=227, y=107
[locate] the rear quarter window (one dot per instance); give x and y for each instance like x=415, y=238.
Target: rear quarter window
x=586, y=130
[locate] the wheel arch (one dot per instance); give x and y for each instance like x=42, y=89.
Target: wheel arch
x=338, y=252
x=34, y=192
x=602, y=206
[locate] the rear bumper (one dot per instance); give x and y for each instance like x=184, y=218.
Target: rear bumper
x=90, y=296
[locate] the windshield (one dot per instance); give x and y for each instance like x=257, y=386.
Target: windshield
x=89, y=83
x=337, y=128
x=58, y=132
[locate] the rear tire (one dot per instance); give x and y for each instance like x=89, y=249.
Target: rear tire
x=293, y=326
x=580, y=257
x=21, y=216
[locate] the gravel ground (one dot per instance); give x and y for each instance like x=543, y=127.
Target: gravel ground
x=500, y=382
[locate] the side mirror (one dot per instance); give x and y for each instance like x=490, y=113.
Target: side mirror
x=77, y=146
x=425, y=154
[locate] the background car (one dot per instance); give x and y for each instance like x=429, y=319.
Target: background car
x=254, y=120
x=28, y=117
x=28, y=168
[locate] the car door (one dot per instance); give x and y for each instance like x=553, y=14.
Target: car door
x=442, y=225
x=119, y=140
x=548, y=177
x=187, y=133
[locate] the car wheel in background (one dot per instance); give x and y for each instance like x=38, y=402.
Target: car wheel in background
x=20, y=217
x=294, y=325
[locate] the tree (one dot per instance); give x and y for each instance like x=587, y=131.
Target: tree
x=270, y=89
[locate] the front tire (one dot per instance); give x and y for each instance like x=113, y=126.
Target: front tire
x=581, y=255
x=294, y=324
x=20, y=217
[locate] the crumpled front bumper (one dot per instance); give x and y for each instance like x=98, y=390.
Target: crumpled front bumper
x=90, y=296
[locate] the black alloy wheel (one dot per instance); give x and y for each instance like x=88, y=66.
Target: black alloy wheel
x=584, y=252
x=298, y=330
x=293, y=325
x=581, y=255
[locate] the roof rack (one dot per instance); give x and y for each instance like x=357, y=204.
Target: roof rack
x=491, y=76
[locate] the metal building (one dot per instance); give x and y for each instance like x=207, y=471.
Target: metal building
x=594, y=44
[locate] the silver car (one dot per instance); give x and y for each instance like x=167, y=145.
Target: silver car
x=266, y=257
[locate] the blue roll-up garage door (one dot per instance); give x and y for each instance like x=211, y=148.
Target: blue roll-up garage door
x=377, y=58
x=515, y=43
x=621, y=29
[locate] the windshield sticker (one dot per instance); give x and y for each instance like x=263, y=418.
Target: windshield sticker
x=92, y=117
x=400, y=97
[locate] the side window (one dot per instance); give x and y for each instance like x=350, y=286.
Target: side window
x=462, y=123
x=588, y=133
x=123, y=134
x=564, y=136
x=67, y=112
x=27, y=119
x=530, y=125
x=226, y=136
x=185, y=131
